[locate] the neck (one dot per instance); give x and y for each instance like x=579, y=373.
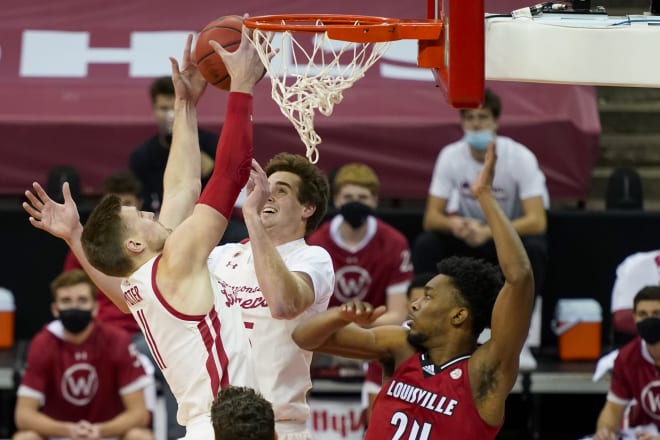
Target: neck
x=440, y=353
x=479, y=156
x=282, y=237
x=79, y=338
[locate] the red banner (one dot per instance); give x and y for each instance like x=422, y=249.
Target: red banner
x=74, y=76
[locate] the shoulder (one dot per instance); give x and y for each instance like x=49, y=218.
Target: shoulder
x=44, y=338
x=639, y=258
x=390, y=232
x=320, y=235
x=631, y=350
x=510, y=147
x=452, y=150
x=145, y=148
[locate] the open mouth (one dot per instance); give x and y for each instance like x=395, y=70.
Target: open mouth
x=407, y=324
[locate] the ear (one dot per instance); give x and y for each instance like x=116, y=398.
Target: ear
x=54, y=311
x=460, y=315
x=308, y=211
x=134, y=246
x=95, y=307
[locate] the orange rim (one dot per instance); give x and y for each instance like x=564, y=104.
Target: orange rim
x=356, y=28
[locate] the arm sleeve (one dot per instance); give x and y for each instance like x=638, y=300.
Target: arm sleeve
x=441, y=183
x=315, y=262
x=36, y=373
x=531, y=179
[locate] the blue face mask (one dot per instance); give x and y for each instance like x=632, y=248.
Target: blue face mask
x=479, y=139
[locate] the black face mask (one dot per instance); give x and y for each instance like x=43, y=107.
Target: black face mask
x=75, y=320
x=355, y=213
x=649, y=330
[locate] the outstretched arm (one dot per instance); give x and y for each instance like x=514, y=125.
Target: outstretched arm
x=181, y=181
x=184, y=263
x=340, y=331
x=63, y=221
x=513, y=307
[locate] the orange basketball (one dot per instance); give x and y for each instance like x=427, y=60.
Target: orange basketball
x=227, y=32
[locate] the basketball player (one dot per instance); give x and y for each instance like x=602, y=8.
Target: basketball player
x=195, y=333
x=278, y=279
x=442, y=382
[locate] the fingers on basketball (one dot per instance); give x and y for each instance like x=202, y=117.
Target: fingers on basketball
x=226, y=31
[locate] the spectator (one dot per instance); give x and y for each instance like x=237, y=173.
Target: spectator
x=240, y=413
x=371, y=259
x=125, y=185
x=148, y=160
x=635, y=373
x=636, y=271
x=83, y=378
x=454, y=222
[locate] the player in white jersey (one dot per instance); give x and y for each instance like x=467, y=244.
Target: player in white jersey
x=169, y=287
x=278, y=279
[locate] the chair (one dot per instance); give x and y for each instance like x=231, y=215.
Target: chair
x=624, y=190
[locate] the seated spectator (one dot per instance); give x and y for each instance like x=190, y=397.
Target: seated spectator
x=240, y=413
x=83, y=379
x=636, y=271
x=634, y=377
x=519, y=186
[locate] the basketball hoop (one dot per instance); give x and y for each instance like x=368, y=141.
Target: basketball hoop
x=311, y=75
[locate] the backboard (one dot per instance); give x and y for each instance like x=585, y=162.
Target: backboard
x=457, y=59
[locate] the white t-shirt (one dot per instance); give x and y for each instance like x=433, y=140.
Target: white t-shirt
x=282, y=367
x=198, y=354
x=517, y=177
x=635, y=272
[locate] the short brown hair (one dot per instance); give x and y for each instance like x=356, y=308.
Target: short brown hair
x=71, y=278
x=161, y=86
x=103, y=236
x=314, y=189
x=122, y=182
x=357, y=174
x=648, y=293
x=239, y=413
x=491, y=102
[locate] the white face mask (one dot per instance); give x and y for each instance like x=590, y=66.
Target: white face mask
x=479, y=139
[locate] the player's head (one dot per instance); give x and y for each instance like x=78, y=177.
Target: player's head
x=646, y=311
x=294, y=177
x=355, y=189
x=117, y=238
x=74, y=300
x=480, y=125
x=126, y=186
x=461, y=297
x=416, y=287
x=239, y=413
x=162, y=103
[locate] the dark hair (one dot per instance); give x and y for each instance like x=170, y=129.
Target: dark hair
x=478, y=283
x=122, y=182
x=314, y=189
x=420, y=280
x=71, y=278
x=239, y=413
x=491, y=102
x=161, y=86
x=648, y=293
x=102, y=238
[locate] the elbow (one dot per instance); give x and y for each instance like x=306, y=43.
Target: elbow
x=21, y=419
x=284, y=312
x=427, y=224
x=521, y=276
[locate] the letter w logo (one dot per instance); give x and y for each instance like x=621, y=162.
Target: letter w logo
x=352, y=283
x=650, y=399
x=79, y=384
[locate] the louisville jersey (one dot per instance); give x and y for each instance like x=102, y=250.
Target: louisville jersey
x=379, y=265
x=82, y=381
x=198, y=354
x=635, y=376
x=282, y=367
x=425, y=401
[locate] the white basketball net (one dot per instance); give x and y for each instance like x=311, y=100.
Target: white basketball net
x=305, y=79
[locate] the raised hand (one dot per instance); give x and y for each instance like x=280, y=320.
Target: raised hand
x=189, y=84
x=244, y=65
x=58, y=219
x=258, y=190
x=361, y=313
x=484, y=181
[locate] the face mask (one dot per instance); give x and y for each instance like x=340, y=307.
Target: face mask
x=75, y=320
x=479, y=139
x=649, y=330
x=355, y=213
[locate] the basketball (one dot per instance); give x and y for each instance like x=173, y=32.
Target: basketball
x=227, y=32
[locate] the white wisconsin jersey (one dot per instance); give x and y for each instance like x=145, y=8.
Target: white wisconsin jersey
x=517, y=177
x=282, y=367
x=637, y=271
x=198, y=354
